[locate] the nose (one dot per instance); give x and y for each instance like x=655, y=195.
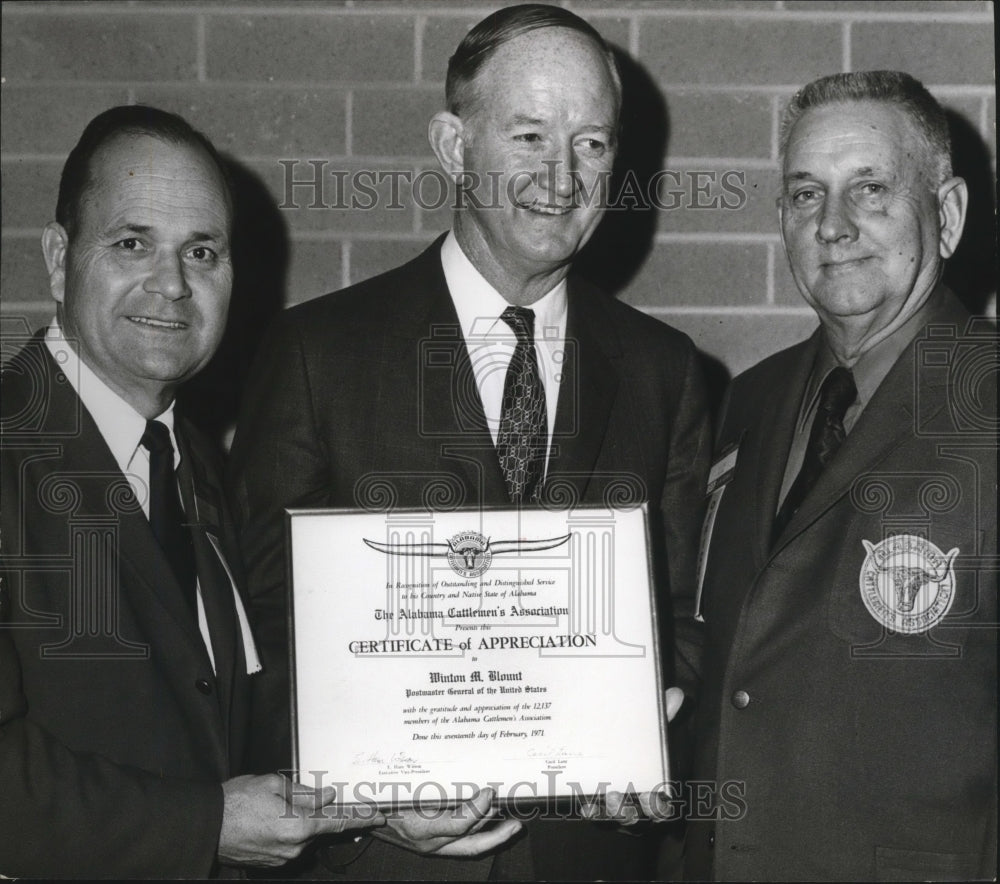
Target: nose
x=835, y=221
x=559, y=170
x=168, y=278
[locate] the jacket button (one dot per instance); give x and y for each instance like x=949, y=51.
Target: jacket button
x=204, y=685
x=711, y=839
x=741, y=699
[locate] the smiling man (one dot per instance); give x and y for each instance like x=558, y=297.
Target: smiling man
x=485, y=373
x=850, y=586
x=125, y=650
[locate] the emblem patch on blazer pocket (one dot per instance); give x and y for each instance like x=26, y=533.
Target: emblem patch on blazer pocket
x=907, y=583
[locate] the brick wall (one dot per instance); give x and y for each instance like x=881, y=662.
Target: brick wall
x=351, y=85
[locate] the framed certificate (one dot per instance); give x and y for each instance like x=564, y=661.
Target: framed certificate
x=435, y=653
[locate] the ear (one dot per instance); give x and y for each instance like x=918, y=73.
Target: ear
x=446, y=133
x=953, y=200
x=55, y=242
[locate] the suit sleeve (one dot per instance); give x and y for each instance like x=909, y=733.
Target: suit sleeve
x=277, y=461
x=683, y=507
x=73, y=814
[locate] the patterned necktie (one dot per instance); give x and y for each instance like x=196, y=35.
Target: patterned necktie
x=166, y=517
x=825, y=437
x=522, y=439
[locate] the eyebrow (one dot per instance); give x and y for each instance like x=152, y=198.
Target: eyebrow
x=196, y=236
x=524, y=120
x=861, y=170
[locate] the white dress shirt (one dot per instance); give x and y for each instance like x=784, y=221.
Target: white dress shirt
x=490, y=341
x=122, y=428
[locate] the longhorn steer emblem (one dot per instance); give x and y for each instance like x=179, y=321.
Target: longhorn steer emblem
x=468, y=552
x=907, y=583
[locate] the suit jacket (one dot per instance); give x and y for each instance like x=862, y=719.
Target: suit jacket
x=837, y=748
x=366, y=397
x=115, y=734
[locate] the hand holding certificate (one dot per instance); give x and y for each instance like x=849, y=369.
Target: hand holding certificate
x=433, y=653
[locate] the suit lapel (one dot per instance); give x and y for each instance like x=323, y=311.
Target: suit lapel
x=586, y=393
x=776, y=424
x=201, y=499
x=450, y=410
x=887, y=422
x=87, y=457
x=147, y=594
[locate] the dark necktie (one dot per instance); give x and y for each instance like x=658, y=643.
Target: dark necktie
x=166, y=517
x=522, y=438
x=825, y=437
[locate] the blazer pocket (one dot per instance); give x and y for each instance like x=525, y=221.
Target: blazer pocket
x=893, y=864
x=907, y=577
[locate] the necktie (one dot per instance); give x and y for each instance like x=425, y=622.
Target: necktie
x=825, y=437
x=523, y=433
x=166, y=517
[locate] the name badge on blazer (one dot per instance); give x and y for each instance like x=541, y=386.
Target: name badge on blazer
x=721, y=474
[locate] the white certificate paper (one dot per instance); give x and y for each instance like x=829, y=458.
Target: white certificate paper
x=434, y=653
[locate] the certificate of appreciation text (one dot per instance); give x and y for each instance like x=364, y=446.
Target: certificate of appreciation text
x=434, y=653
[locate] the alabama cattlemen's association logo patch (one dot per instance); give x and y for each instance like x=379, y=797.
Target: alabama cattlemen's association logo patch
x=907, y=583
x=469, y=553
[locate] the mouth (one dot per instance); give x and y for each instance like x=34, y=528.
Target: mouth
x=846, y=264
x=545, y=209
x=150, y=322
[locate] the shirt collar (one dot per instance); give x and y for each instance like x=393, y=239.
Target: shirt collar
x=479, y=305
x=119, y=423
x=872, y=366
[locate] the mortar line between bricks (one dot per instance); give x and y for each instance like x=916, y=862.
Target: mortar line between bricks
x=345, y=264
x=707, y=237
x=733, y=310
x=418, y=47
x=775, y=127
x=785, y=15
x=940, y=16
x=200, y=43
x=713, y=237
x=11, y=307
x=336, y=235
x=769, y=291
x=423, y=162
x=427, y=160
x=21, y=232
x=949, y=90
x=700, y=238
x=349, y=122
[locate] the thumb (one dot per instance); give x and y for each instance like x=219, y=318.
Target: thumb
x=303, y=796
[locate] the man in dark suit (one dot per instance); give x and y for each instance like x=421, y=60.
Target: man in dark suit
x=396, y=392
x=848, y=720
x=125, y=649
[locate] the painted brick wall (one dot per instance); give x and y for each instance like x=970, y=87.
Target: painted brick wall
x=351, y=85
